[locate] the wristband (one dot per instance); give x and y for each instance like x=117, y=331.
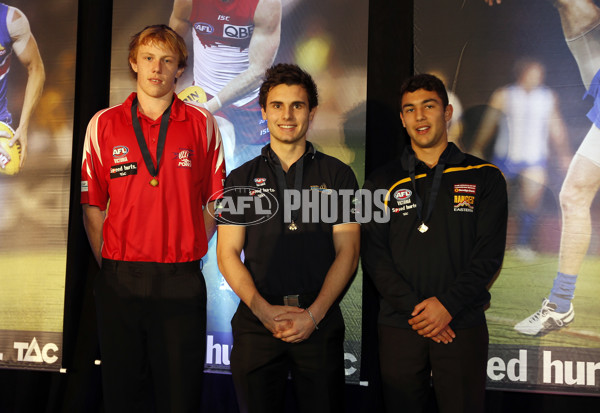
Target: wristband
x=312, y=318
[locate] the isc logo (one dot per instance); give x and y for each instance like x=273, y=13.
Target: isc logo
x=119, y=151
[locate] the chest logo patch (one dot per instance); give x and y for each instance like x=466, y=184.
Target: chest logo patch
x=464, y=197
x=402, y=197
x=465, y=189
x=260, y=181
x=119, y=153
x=321, y=188
x=122, y=170
x=402, y=194
x=184, y=158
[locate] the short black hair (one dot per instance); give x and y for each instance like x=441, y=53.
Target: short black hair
x=427, y=82
x=288, y=74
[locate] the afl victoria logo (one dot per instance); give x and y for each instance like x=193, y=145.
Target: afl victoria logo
x=119, y=151
x=402, y=194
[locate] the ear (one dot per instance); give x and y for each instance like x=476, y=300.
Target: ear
x=402, y=119
x=179, y=72
x=264, y=114
x=448, y=113
x=311, y=114
x=133, y=65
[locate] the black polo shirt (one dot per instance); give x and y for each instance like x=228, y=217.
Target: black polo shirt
x=284, y=258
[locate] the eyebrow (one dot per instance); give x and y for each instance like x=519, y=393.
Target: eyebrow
x=422, y=102
x=157, y=55
x=296, y=102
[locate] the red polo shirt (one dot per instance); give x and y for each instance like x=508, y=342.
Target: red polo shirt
x=143, y=222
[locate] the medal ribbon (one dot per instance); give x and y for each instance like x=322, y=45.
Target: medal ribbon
x=433, y=192
x=162, y=137
x=282, y=182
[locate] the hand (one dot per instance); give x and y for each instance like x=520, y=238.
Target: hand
x=3, y=152
x=268, y=313
x=430, y=317
x=21, y=136
x=491, y=2
x=445, y=336
x=301, y=326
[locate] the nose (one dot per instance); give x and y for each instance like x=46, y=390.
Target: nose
x=287, y=113
x=419, y=114
x=157, y=66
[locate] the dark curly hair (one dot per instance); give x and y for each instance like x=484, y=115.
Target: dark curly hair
x=288, y=74
x=427, y=82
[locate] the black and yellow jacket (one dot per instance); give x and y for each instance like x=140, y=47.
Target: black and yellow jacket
x=459, y=254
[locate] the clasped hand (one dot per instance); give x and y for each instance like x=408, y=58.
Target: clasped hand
x=289, y=324
x=430, y=319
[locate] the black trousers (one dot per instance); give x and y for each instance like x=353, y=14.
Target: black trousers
x=261, y=365
x=152, y=328
x=411, y=363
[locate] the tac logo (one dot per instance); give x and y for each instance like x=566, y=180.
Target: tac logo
x=402, y=194
x=260, y=181
x=32, y=352
x=237, y=32
x=120, y=151
x=203, y=28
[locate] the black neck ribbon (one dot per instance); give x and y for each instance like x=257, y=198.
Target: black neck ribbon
x=435, y=188
x=162, y=137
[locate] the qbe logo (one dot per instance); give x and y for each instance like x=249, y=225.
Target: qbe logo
x=231, y=31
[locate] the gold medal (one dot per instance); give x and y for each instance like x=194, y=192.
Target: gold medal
x=154, y=181
x=423, y=228
x=293, y=226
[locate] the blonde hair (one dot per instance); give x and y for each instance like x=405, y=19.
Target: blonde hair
x=158, y=33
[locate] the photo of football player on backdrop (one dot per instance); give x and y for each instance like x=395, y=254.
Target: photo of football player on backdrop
x=580, y=20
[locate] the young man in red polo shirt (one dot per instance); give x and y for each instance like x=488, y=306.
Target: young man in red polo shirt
x=151, y=169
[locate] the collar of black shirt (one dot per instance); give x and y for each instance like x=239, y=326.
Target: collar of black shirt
x=451, y=156
x=270, y=156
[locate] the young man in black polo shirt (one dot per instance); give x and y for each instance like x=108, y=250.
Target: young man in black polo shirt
x=295, y=264
x=433, y=260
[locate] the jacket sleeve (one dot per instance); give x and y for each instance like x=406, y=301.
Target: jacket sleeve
x=377, y=258
x=487, y=254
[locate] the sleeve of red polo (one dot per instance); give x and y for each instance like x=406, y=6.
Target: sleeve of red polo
x=94, y=188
